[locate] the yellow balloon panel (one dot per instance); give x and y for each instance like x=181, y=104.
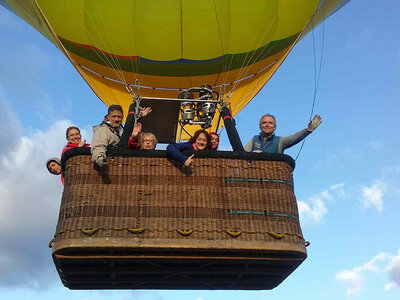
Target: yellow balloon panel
x=71, y=23
x=165, y=30
x=289, y=17
x=169, y=45
x=158, y=30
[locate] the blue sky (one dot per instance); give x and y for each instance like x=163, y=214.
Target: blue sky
x=346, y=179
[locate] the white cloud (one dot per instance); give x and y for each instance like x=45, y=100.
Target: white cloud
x=11, y=124
x=372, y=197
x=356, y=278
x=393, y=270
x=313, y=209
x=29, y=202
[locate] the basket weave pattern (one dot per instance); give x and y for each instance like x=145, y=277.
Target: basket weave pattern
x=153, y=198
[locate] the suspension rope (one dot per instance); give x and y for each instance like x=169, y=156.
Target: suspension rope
x=108, y=60
x=247, y=60
x=316, y=76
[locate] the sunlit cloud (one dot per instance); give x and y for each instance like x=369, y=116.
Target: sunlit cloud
x=313, y=209
x=29, y=202
x=393, y=270
x=356, y=278
x=372, y=196
x=7, y=142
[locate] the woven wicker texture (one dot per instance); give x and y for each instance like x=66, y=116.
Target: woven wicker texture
x=149, y=207
x=211, y=198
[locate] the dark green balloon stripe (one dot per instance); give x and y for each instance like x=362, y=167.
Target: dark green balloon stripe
x=181, y=67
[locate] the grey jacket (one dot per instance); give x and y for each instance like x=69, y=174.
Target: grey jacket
x=103, y=138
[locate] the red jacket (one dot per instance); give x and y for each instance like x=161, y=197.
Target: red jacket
x=133, y=144
x=70, y=146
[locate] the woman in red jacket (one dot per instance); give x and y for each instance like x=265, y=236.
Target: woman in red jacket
x=74, y=139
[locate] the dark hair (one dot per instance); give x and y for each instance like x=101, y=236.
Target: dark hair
x=113, y=107
x=212, y=132
x=54, y=159
x=196, y=135
x=69, y=129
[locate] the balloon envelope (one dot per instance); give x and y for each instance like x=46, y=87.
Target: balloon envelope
x=169, y=45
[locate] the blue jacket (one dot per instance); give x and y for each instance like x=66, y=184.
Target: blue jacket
x=275, y=144
x=175, y=151
x=271, y=145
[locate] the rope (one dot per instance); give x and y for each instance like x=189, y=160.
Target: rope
x=108, y=60
x=224, y=58
x=244, y=69
x=316, y=77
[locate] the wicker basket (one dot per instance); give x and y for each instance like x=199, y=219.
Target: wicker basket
x=224, y=223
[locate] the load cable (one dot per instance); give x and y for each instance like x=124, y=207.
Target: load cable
x=316, y=77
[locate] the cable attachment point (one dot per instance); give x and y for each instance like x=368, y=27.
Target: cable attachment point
x=138, y=110
x=229, y=95
x=222, y=90
x=129, y=89
x=137, y=88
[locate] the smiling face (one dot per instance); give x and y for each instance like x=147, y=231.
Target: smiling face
x=214, y=141
x=54, y=168
x=74, y=136
x=267, y=125
x=115, y=117
x=201, y=142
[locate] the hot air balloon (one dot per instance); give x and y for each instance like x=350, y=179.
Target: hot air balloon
x=231, y=222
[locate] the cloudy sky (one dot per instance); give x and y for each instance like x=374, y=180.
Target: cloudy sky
x=346, y=179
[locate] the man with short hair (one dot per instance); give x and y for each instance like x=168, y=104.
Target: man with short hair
x=54, y=166
x=268, y=142
x=106, y=135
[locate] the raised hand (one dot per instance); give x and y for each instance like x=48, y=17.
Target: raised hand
x=314, y=123
x=82, y=143
x=137, y=130
x=146, y=111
